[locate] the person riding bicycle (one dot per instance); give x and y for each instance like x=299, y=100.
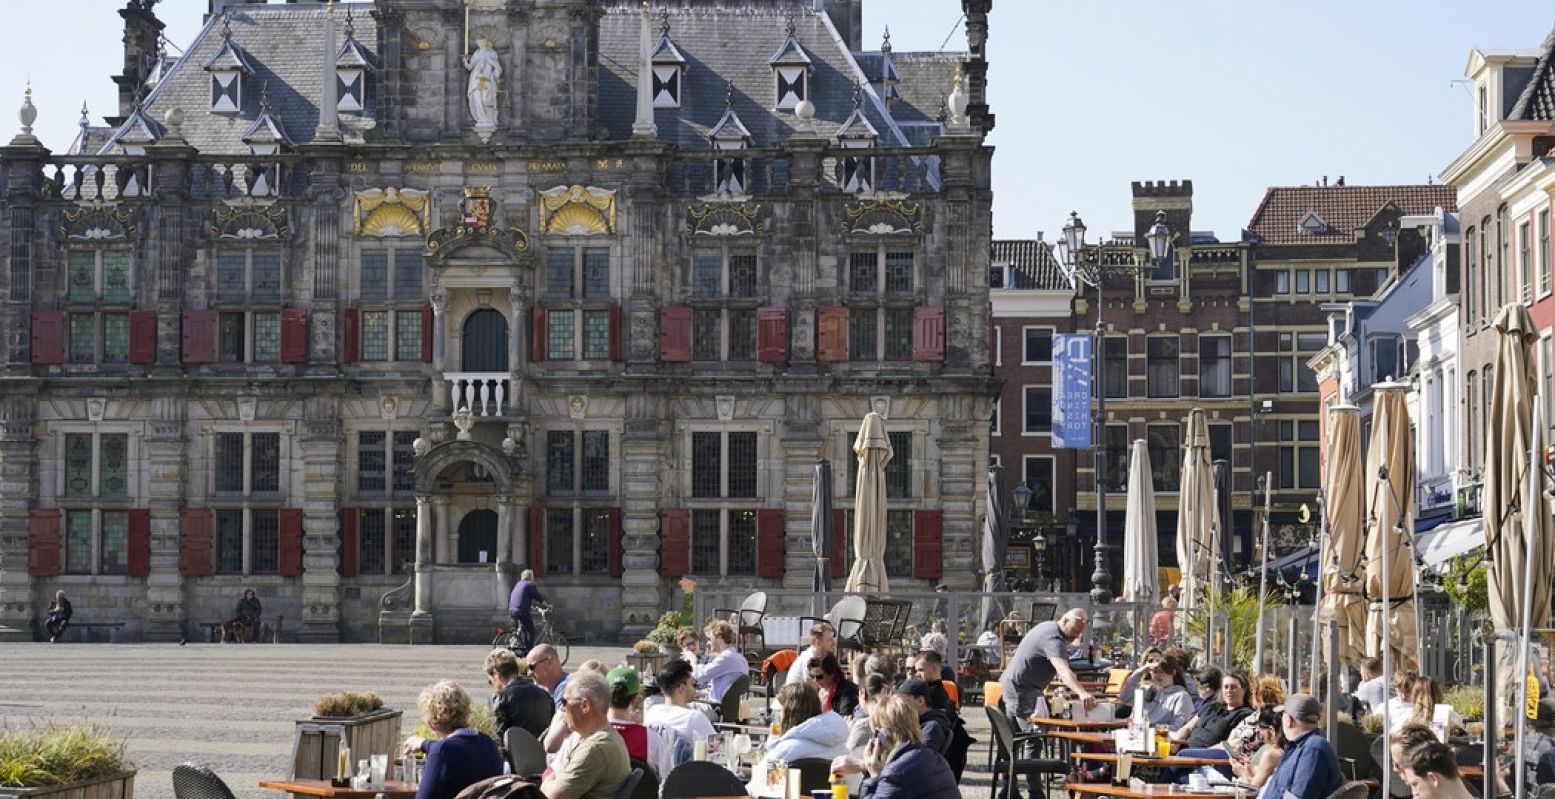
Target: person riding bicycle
x=521, y=603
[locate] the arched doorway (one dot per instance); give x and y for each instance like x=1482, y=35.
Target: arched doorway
x=485, y=342
x=477, y=534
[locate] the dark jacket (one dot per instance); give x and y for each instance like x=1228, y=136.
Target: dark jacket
x=912, y=771
x=62, y=609
x=937, y=730
x=523, y=704
x=249, y=608
x=1216, y=721
x=462, y=759
x=845, y=700
x=1309, y=769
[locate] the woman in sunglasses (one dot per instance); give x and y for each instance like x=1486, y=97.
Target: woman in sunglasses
x=838, y=693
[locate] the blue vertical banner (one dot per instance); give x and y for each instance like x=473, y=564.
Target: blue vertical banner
x=1072, y=391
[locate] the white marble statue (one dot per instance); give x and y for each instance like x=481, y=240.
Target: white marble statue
x=485, y=77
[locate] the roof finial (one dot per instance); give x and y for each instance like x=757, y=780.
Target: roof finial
x=28, y=113
x=858, y=94
x=350, y=28
x=664, y=21
x=729, y=96
x=226, y=25
x=788, y=22
x=885, y=46
x=264, y=98
x=86, y=119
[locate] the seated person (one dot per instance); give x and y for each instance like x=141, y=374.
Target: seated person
x=935, y=724
x=838, y=693
x=898, y=764
x=245, y=620
x=518, y=701
x=59, y=616
x=1166, y=699
x=822, y=640
x=599, y=763
x=1209, y=728
x=805, y=732
x=1431, y=771
x=1256, y=770
x=725, y=665
x=1540, y=744
x=675, y=714
x=873, y=689
x=460, y=755
x=654, y=747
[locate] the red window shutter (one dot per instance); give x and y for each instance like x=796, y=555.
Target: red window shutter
x=43, y=542
x=138, y=557
x=674, y=542
x=289, y=558
x=194, y=542
x=928, y=333
x=772, y=334
x=537, y=343
x=48, y=336
x=349, y=541
x=613, y=543
x=675, y=334
x=294, y=335
x=537, y=540
x=427, y=321
x=770, y=550
x=353, y=335
x=615, y=332
x=928, y=528
x=143, y=337
x=831, y=333
x=199, y=336
x=839, y=543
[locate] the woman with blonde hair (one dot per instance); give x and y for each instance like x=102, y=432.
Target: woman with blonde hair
x=460, y=755
x=898, y=764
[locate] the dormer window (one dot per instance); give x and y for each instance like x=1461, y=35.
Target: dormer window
x=1312, y=224
x=352, y=64
x=227, y=68
x=858, y=172
x=668, y=69
x=791, y=71
x=730, y=134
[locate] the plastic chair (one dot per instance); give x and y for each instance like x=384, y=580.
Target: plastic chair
x=1352, y=790
x=525, y=753
x=734, y=696
x=625, y=791
x=751, y=613
x=700, y=778
x=1007, y=764
x=648, y=786
x=954, y=692
x=192, y=781
x=814, y=774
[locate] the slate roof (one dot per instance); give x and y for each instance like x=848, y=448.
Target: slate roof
x=284, y=46
x=1343, y=208
x=734, y=45
x=1537, y=101
x=1034, y=263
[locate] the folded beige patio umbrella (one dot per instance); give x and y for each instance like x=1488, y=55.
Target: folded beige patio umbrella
x=1340, y=563
x=1141, y=559
x=1509, y=435
x=1195, y=511
x=1390, y=522
x=873, y=448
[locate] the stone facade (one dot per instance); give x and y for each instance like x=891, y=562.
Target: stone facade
x=305, y=325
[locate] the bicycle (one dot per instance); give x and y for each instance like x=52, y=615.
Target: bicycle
x=512, y=637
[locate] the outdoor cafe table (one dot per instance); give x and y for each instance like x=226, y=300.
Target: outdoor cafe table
x=393, y=789
x=1153, y=762
x=1068, y=739
x=1148, y=790
x=1079, y=725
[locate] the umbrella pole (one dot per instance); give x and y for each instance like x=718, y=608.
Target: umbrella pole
x=1387, y=637
x=1531, y=510
x=1263, y=575
x=1317, y=602
x=1491, y=722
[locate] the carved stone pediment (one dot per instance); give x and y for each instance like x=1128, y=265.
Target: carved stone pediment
x=97, y=223
x=578, y=210
x=250, y=221
x=882, y=216
x=725, y=219
x=391, y=212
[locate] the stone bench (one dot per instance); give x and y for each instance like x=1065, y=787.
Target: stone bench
x=86, y=628
x=222, y=632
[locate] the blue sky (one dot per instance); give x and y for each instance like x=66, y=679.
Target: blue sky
x=1235, y=95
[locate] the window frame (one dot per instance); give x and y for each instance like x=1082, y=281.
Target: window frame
x=1525, y=276
x=727, y=505
x=247, y=499
x=94, y=502
x=1171, y=462
x=880, y=301
x=1152, y=362
x=1228, y=365
x=1046, y=357
x=1298, y=446
x=1026, y=408
x=578, y=304
x=1542, y=221
x=1052, y=473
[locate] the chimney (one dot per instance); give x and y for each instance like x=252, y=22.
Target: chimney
x=1175, y=197
x=142, y=30
x=976, y=67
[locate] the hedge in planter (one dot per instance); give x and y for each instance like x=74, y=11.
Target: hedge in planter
x=356, y=717
x=77, y=761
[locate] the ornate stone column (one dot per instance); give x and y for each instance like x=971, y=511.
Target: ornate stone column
x=518, y=299
x=644, y=451
x=421, y=617
x=504, y=558
x=447, y=540
x=439, y=302
x=801, y=442
x=162, y=449
x=18, y=471
x=319, y=446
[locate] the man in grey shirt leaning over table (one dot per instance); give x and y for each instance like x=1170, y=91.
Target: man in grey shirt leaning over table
x=1042, y=655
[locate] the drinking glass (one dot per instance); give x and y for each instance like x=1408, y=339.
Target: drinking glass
x=377, y=768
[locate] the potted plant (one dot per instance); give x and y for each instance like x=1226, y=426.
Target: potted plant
x=356, y=717
x=663, y=634
x=73, y=761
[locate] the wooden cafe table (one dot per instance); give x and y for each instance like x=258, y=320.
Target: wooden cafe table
x=1152, y=762
x=1076, y=789
x=393, y=789
x=1078, y=725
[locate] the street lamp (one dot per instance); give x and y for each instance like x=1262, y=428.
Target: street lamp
x=1022, y=494
x=1094, y=271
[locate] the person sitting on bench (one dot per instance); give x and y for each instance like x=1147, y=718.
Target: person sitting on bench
x=59, y=616
x=246, y=621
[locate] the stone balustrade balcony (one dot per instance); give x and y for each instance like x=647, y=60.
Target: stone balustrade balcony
x=486, y=394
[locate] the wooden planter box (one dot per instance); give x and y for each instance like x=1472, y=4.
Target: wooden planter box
x=316, y=748
x=113, y=786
